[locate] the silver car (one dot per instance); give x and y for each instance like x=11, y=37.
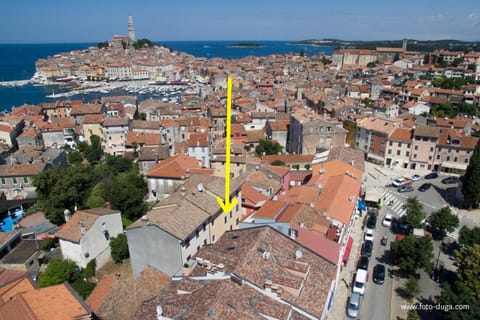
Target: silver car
x=354, y=305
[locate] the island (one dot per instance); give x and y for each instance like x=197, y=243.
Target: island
x=245, y=45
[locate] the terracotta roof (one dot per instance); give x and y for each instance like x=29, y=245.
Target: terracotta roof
x=143, y=124
x=271, y=209
x=334, y=168
x=301, y=194
x=355, y=158
x=10, y=276
x=427, y=131
x=87, y=108
x=198, y=139
x=305, y=282
x=288, y=158
x=115, y=122
x=338, y=197
x=92, y=119
x=45, y=304
x=143, y=138
x=176, y=167
x=21, y=170
x=71, y=230
x=101, y=292
x=402, y=134
x=252, y=197
x=127, y=294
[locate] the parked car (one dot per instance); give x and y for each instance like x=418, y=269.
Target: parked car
x=379, y=274
x=398, y=182
x=387, y=220
x=450, y=180
x=367, y=248
x=424, y=187
x=372, y=222
x=416, y=177
x=354, y=305
x=360, y=281
x=432, y=175
x=405, y=189
x=369, y=234
x=363, y=263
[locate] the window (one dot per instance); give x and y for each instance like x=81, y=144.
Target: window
x=3, y=180
x=429, y=157
x=414, y=156
x=225, y=219
x=230, y=214
x=408, y=154
x=213, y=238
x=448, y=158
x=389, y=151
x=106, y=235
x=416, y=148
x=438, y=157
x=432, y=149
x=237, y=221
x=466, y=160
x=398, y=152
x=399, y=144
x=25, y=180
x=14, y=180
x=455, y=159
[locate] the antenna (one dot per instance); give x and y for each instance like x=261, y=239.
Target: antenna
x=298, y=254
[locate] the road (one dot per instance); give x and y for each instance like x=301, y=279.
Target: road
x=380, y=301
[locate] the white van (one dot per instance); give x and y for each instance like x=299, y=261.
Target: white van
x=360, y=281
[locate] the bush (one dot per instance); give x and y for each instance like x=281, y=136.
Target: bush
x=119, y=248
x=48, y=243
x=89, y=271
x=58, y=271
x=83, y=288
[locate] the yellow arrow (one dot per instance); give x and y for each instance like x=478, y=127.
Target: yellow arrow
x=226, y=205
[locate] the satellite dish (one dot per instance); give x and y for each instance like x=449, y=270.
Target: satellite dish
x=298, y=254
x=200, y=187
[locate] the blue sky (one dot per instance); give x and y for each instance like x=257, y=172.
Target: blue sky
x=45, y=21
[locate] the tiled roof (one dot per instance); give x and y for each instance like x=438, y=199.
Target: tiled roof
x=305, y=282
x=355, y=158
x=288, y=158
x=45, y=304
x=87, y=108
x=176, y=167
x=71, y=230
x=143, y=138
x=334, y=168
x=21, y=170
x=115, y=122
x=252, y=196
x=427, y=131
x=101, y=292
x=127, y=294
x=198, y=139
x=271, y=209
x=402, y=134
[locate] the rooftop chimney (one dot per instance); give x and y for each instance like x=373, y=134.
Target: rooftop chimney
x=67, y=215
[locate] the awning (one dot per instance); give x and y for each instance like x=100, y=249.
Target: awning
x=361, y=205
x=348, y=248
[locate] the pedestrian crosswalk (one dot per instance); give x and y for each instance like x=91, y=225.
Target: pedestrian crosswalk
x=396, y=206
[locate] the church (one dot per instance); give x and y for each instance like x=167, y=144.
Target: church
x=119, y=41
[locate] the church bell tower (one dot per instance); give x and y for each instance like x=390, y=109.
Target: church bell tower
x=131, y=29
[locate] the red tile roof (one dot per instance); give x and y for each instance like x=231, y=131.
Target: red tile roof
x=176, y=167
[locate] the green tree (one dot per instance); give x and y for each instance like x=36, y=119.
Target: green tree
x=75, y=158
x=83, y=287
x=438, y=82
x=414, y=213
x=412, y=289
x=126, y=192
x=444, y=220
x=58, y=271
x=96, y=199
x=412, y=315
x=458, y=294
x=413, y=253
x=267, y=147
x=59, y=189
x=469, y=237
x=118, y=163
x=471, y=181
x=119, y=248
x=277, y=163
x=468, y=270
x=94, y=152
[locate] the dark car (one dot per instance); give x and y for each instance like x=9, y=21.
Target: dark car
x=372, y=222
x=363, y=263
x=424, y=187
x=367, y=248
x=405, y=189
x=450, y=180
x=379, y=274
x=432, y=175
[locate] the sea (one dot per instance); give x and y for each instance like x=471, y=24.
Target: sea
x=17, y=62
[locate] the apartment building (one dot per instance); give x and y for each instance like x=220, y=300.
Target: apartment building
x=424, y=142
x=398, y=149
x=372, y=135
